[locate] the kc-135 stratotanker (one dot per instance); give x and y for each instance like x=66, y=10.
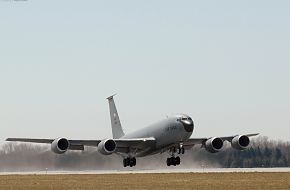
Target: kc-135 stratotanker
x=170, y=135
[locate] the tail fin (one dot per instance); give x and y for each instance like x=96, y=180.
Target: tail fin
x=115, y=121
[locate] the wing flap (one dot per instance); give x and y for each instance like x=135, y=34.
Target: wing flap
x=139, y=143
x=76, y=147
x=85, y=142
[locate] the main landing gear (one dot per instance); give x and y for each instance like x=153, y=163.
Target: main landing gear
x=129, y=162
x=174, y=161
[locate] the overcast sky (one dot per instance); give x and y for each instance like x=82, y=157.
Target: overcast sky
x=224, y=63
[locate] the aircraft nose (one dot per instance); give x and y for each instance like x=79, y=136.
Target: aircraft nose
x=188, y=125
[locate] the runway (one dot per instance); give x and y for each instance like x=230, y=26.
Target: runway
x=155, y=171
x=167, y=179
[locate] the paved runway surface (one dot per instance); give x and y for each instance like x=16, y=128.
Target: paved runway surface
x=205, y=170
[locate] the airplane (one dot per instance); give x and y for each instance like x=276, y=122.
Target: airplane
x=170, y=135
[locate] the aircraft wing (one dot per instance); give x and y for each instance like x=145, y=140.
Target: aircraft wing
x=123, y=145
x=194, y=141
x=48, y=141
x=74, y=144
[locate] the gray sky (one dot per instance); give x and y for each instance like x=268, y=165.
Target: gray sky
x=225, y=63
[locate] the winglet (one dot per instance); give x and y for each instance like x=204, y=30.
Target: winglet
x=111, y=97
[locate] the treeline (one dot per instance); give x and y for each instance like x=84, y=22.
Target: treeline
x=34, y=157
x=262, y=153
x=30, y=157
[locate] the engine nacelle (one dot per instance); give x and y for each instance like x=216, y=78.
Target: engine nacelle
x=240, y=142
x=214, y=144
x=60, y=145
x=107, y=146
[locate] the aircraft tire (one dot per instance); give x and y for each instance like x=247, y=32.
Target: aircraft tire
x=131, y=160
x=168, y=162
x=172, y=161
x=177, y=160
x=125, y=162
x=134, y=161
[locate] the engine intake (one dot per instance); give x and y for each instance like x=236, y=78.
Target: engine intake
x=107, y=146
x=240, y=142
x=214, y=144
x=60, y=145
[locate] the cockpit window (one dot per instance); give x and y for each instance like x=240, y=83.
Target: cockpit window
x=186, y=118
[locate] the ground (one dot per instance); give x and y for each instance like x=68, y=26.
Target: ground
x=222, y=181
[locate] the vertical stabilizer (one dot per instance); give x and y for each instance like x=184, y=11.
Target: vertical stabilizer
x=115, y=121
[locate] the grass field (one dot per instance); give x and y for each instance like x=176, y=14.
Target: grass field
x=222, y=181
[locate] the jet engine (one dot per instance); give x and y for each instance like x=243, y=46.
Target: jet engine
x=60, y=145
x=214, y=144
x=107, y=146
x=240, y=142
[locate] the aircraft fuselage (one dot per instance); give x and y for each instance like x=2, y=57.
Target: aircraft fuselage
x=166, y=132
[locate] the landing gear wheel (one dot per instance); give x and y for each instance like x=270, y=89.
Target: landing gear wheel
x=173, y=161
x=125, y=162
x=177, y=160
x=129, y=162
x=134, y=161
x=182, y=150
x=168, y=162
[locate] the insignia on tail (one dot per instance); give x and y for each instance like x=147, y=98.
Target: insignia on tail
x=117, y=130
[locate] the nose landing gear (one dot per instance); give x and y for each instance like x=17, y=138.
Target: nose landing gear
x=129, y=162
x=181, y=150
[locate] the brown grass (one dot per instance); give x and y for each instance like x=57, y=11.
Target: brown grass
x=216, y=181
